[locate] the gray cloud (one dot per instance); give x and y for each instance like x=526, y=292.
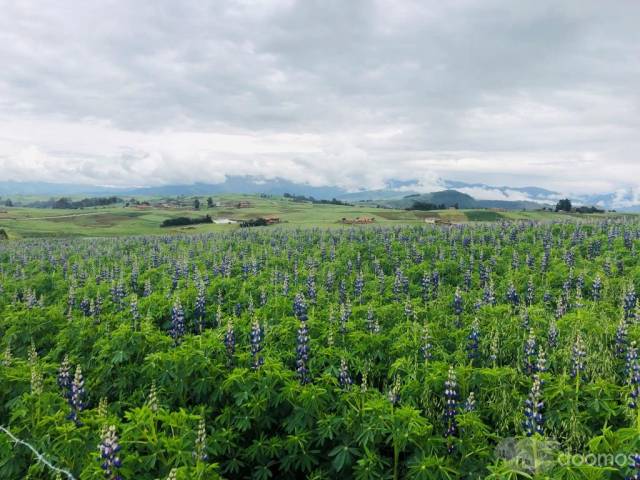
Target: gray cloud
x=353, y=93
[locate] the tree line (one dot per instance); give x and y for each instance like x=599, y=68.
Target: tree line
x=310, y=199
x=67, y=203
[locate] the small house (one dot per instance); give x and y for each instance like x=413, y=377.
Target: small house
x=271, y=219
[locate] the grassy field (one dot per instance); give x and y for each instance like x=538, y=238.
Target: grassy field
x=120, y=220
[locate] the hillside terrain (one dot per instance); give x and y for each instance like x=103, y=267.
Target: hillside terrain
x=125, y=219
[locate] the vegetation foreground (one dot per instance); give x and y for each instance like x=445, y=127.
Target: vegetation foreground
x=504, y=350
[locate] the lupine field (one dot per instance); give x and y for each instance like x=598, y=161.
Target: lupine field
x=361, y=353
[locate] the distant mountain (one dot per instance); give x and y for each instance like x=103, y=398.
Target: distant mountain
x=483, y=195
x=365, y=195
x=244, y=185
x=451, y=198
x=45, y=188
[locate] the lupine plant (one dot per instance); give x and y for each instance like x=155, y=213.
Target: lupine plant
x=468, y=331
x=109, y=454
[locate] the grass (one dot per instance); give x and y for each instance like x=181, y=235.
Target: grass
x=119, y=220
x=483, y=216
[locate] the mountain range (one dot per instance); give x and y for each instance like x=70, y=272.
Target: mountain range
x=397, y=193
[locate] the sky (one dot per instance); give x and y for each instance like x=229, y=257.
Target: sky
x=350, y=93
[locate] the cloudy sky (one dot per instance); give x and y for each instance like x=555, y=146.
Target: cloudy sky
x=340, y=92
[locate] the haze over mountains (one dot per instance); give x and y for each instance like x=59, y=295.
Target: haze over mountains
x=467, y=195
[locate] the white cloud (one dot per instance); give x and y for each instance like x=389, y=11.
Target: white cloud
x=347, y=93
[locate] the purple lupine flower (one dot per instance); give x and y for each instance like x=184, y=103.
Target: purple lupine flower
x=458, y=306
x=515, y=260
x=621, y=337
x=372, y=321
x=76, y=398
x=263, y=297
x=358, y=286
x=533, y=408
x=484, y=273
x=135, y=313
x=64, y=378
x=311, y=288
x=552, y=334
x=425, y=348
x=578, y=355
x=147, y=288
x=474, y=340
x=541, y=363
x=530, y=353
x=400, y=284
x=217, y=321
x=629, y=303
x=451, y=408
x=175, y=276
x=85, y=307
x=302, y=348
x=200, y=447
x=512, y=296
x=342, y=291
x=230, y=342
x=300, y=307
x=606, y=267
x=470, y=404
x=345, y=313
x=561, y=307
x=343, y=376
x=426, y=286
x=381, y=282
x=97, y=308
x=256, y=344
x=135, y=271
x=544, y=264
x=394, y=392
x=177, y=322
x=596, y=288
x=200, y=309
x=408, y=309
x=488, y=296
x=635, y=466
x=329, y=281
x=467, y=280
x=633, y=371
x=109, y=448
x=71, y=300
x=531, y=292
x=118, y=294
x=493, y=347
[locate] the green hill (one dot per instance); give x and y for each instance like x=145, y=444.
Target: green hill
x=454, y=198
x=448, y=198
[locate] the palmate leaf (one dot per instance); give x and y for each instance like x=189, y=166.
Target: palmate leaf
x=431, y=468
x=583, y=472
x=343, y=456
x=507, y=471
x=262, y=472
x=327, y=428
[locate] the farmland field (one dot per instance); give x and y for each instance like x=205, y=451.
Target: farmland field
x=120, y=220
x=496, y=350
